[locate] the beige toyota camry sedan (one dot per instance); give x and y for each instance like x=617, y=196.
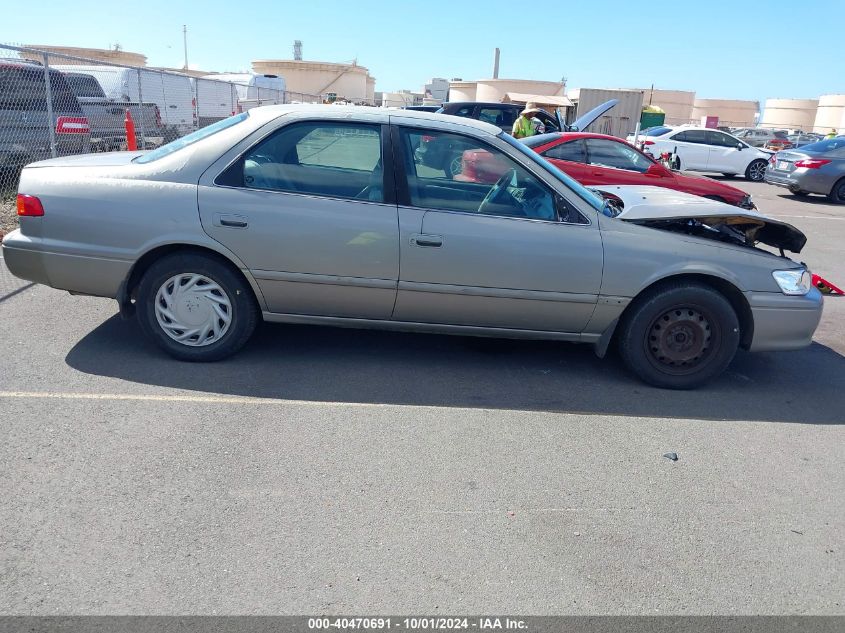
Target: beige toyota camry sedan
x=347, y=217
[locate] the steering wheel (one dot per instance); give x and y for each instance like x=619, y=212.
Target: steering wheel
x=499, y=190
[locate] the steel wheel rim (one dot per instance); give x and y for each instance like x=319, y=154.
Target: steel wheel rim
x=193, y=310
x=757, y=171
x=681, y=340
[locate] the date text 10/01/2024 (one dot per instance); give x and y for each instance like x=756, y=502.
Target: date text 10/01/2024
x=417, y=623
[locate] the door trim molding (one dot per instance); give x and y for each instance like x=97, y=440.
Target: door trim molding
x=497, y=293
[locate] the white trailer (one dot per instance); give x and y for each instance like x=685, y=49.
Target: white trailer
x=172, y=93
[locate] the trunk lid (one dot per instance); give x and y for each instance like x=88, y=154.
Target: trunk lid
x=585, y=120
x=101, y=159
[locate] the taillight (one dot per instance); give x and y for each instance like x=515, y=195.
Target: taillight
x=158, y=116
x=72, y=125
x=648, y=142
x=812, y=163
x=29, y=206
x=772, y=160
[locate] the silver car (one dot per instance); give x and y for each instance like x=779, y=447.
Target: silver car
x=815, y=168
x=322, y=215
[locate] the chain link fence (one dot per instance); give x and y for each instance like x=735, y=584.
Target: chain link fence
x=55, y=105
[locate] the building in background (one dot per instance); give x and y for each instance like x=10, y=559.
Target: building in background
x=495, y=90
x=731, y=112
x=436, y=90
x=115, y=55
x=830, y=114
x=790, y=114
x=327, y=79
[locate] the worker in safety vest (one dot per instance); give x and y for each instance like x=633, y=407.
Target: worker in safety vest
x=524, y=126
x=831, y=134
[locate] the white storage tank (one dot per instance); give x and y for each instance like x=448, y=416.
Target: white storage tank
x=462, y=90
x=677, y=104
x=790, y=114
x=830, y=114
x=731, y=112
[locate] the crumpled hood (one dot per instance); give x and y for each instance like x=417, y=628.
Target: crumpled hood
x=644, y=204
x=101, y=159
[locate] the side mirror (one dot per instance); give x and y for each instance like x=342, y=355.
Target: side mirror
x=739, y=146
x=656, y=170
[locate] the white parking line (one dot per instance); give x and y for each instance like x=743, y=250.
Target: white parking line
x=131, y=397
x=58, y=395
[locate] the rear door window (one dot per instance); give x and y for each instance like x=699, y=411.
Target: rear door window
x=607, y=153
x=337, y=160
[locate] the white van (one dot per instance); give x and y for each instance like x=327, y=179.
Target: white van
x=254, y=89
x=172, y=93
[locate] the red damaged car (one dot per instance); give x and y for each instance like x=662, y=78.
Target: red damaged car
x=598, y=159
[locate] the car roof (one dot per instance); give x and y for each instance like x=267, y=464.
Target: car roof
x=272, y=111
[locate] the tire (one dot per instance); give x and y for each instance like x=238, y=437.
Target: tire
x=222, y=295
x=679, y=335
x=837, y=192
x=756, y=170
x=729, y=175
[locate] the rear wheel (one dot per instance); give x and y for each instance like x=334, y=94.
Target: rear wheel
x=195, y=307
x=756, y=170
x=837, y=193
x=679, y=336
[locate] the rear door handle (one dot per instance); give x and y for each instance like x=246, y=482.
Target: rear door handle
x=231, y=221
x=430, y=241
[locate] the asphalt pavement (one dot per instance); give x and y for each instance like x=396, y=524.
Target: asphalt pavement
x=339, y=471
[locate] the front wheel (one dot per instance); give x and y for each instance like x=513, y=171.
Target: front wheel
x=756, y=170
x=195, y=307
x=679, y=336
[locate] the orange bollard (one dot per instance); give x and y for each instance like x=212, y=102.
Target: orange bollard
x=129, y=124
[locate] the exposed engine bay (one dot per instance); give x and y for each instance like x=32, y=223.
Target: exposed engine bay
x=669, y=210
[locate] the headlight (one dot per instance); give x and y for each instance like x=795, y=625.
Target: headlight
x=793, y=282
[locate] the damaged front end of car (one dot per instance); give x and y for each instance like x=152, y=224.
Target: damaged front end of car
x=678, y=212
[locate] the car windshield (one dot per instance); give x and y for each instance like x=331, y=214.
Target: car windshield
x=587, y=195
x=825, y=146
x=190, y=139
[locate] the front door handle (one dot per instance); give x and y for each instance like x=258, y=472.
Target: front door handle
x=424, y=240
x=231, y=221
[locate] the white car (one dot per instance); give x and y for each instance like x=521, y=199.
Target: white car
x=705, y=149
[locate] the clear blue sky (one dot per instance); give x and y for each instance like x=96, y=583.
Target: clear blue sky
x=740, y=49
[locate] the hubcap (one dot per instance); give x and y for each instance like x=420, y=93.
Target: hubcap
x=757, y=171
x=679, y=340
x=193, y=310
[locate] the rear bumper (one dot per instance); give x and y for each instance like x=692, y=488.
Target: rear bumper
x=26, y=258
x=783, y=322
x=809, y=180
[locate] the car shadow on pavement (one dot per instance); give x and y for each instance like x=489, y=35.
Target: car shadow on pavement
x=345, y=365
